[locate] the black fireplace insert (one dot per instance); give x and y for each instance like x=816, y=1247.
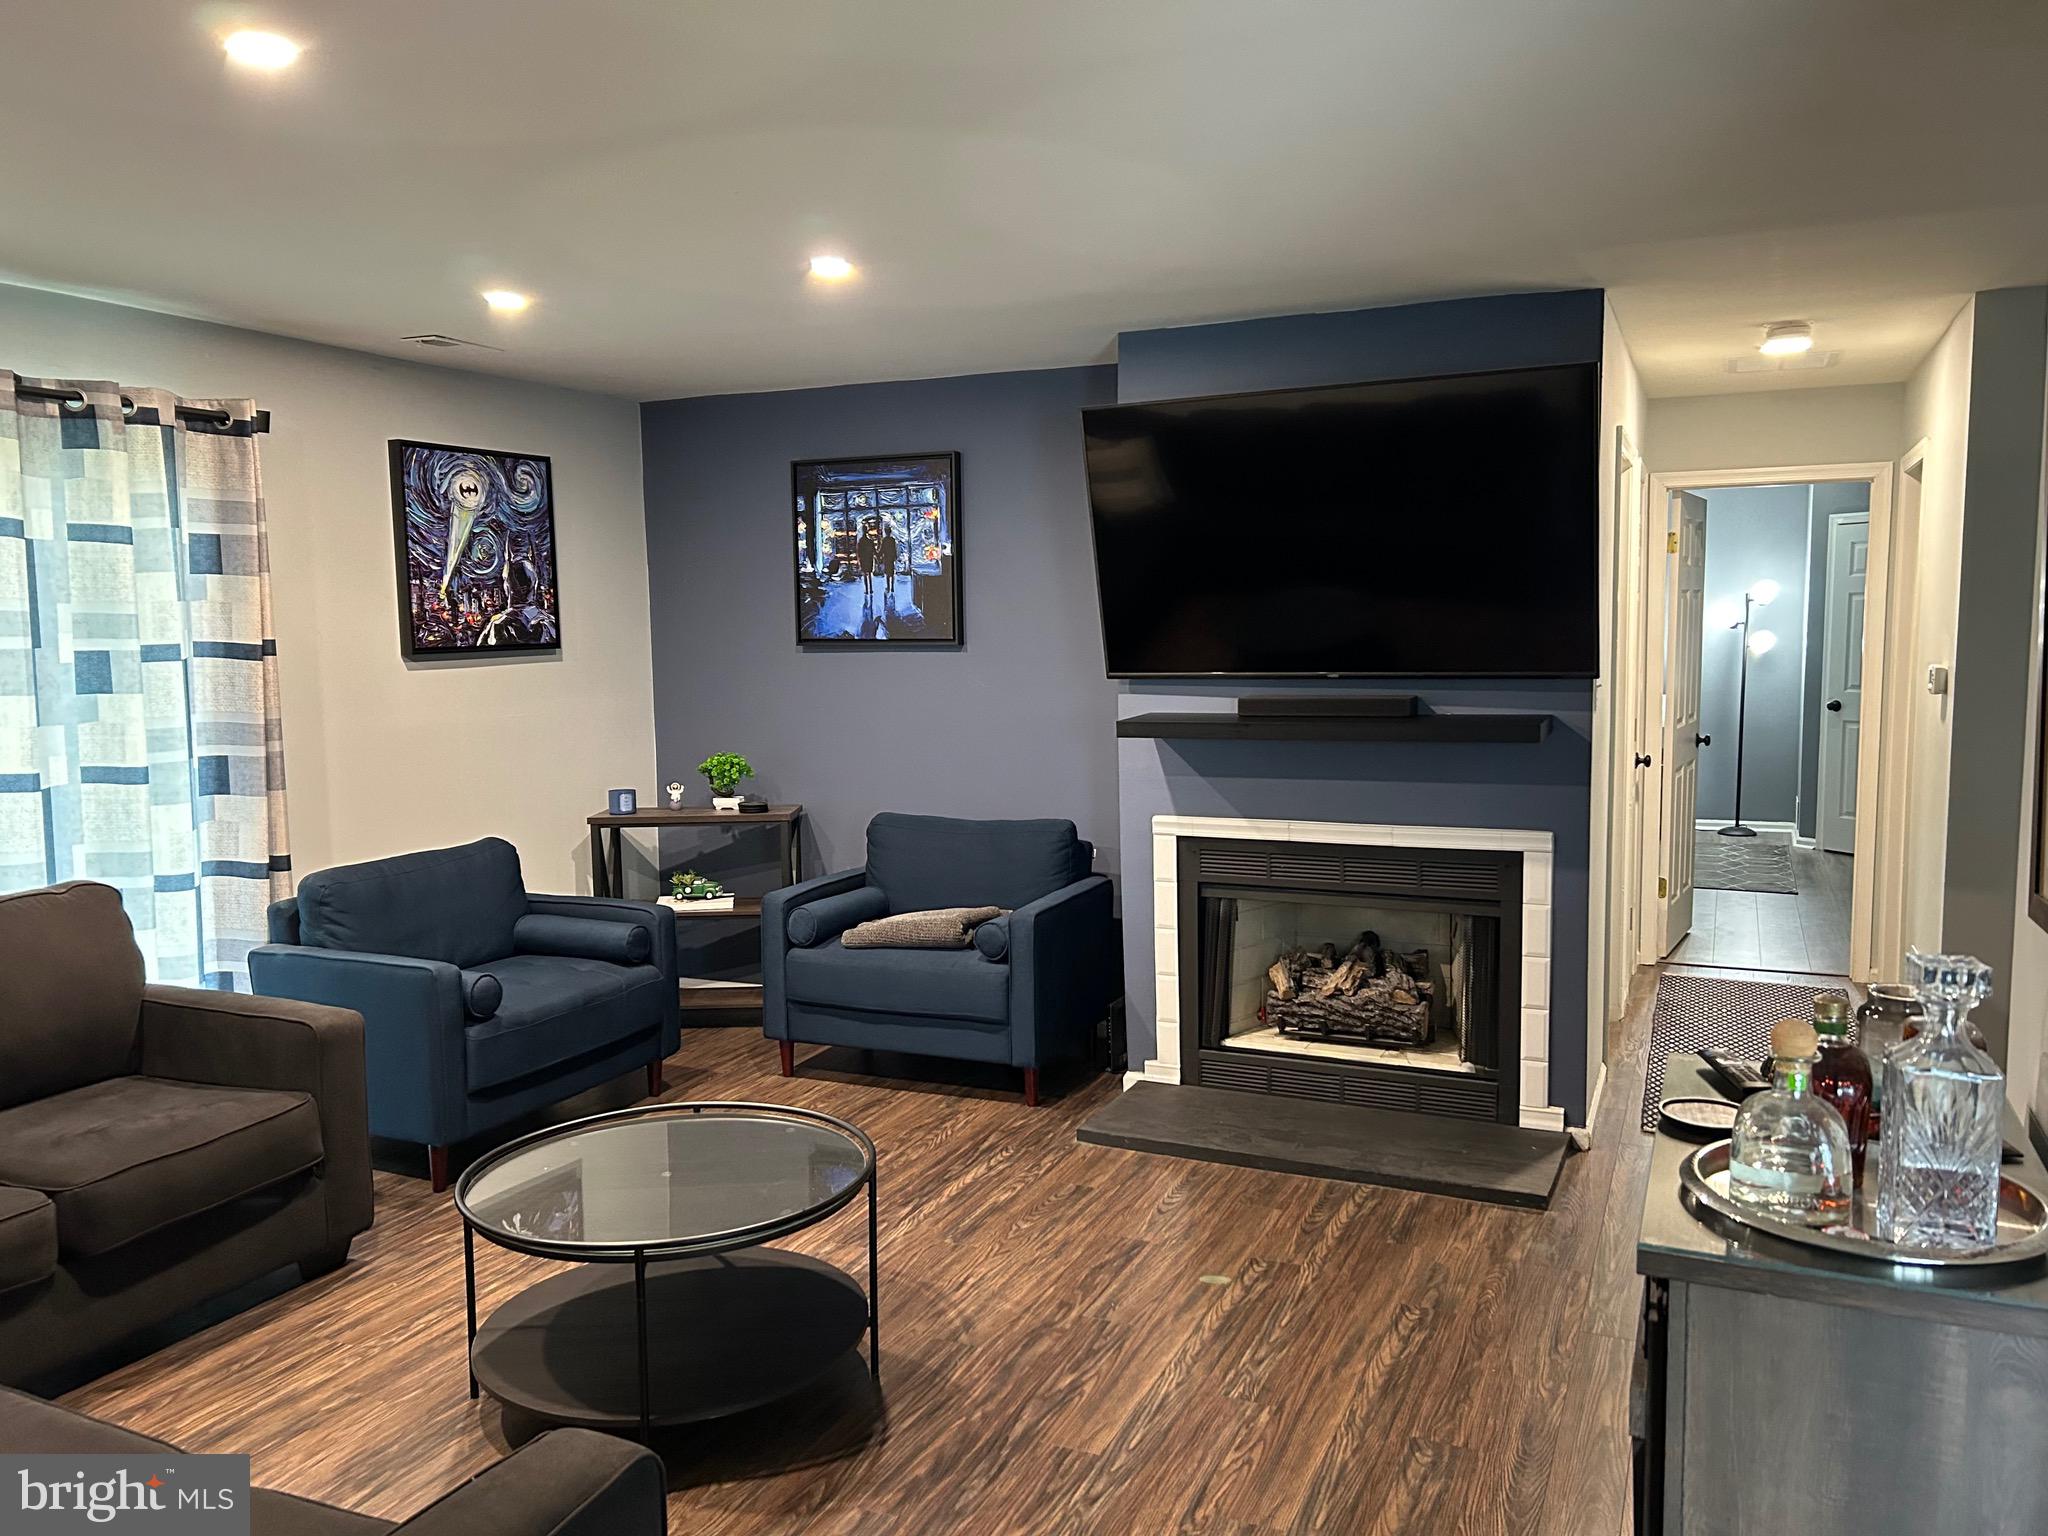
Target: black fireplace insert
x=1380, y=976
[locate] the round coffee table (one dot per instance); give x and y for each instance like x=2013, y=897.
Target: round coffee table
x=666, y=1320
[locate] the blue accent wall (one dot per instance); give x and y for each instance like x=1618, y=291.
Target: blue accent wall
x=1545, y=788
x=1018, y=721
x=1014, y=722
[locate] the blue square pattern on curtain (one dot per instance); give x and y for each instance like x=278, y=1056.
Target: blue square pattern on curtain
x=140, y=743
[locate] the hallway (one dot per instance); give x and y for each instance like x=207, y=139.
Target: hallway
x=1772, y=931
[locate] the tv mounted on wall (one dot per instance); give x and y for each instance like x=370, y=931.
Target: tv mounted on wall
x=1435, y=527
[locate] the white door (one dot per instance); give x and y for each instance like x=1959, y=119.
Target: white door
x=1841, y=673
x=1630, y=724
x=1685, y=620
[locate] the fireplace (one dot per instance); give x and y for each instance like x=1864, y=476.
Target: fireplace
x=1353, y=973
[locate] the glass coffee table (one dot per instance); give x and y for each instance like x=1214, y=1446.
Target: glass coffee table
x=676, y=1312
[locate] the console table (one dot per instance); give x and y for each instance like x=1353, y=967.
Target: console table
x=607, y=877
x=606, y=872
x=1779, y=1388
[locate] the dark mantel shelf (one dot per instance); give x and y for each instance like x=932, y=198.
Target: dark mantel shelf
x=1223, y=725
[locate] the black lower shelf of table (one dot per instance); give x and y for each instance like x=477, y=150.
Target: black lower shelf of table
x=725, y=1334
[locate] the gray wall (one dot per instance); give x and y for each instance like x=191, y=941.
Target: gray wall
x=1988, y=724
x=1547, y=787
x=1780, y=531
x=1014, y=722
x=1753, y=532
x=383, y=755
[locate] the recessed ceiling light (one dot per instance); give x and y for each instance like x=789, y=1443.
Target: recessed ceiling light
x=833, y=269
x=506, y=301
x=1784, y=339
x=260, y=50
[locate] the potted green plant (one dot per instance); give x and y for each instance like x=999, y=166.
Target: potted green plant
x=723, y=771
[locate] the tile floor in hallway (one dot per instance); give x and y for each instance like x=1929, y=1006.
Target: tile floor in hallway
x=1756, y=930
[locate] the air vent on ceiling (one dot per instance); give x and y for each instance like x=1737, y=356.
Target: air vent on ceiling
x=436, y=339
x=1753, y=363
x=1801, y=360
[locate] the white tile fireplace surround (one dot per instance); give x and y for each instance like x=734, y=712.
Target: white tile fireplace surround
x=1537, y=1112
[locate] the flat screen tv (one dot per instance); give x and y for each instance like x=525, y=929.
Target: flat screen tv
x=1438, y=527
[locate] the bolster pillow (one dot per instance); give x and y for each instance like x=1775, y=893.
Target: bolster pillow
x=585, y=938
x=817, y=921
x=482, y=993
x=992, y=938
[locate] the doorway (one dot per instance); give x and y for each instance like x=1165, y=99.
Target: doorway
x=1765, y=661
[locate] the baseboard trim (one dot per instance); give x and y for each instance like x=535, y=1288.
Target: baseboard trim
x=1582, y=1135
x=1153, y=1072
x=1761, y=826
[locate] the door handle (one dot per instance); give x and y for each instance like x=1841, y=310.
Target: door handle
x=1703, y=741
x=1642, y=759
x=1834, y=706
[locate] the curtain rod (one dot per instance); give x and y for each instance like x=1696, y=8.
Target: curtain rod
x=76, y=400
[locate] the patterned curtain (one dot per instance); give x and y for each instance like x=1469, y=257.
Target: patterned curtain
x=139, y=735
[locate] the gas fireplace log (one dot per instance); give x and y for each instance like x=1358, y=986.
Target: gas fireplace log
x=1370, y=995
x=1349, y=978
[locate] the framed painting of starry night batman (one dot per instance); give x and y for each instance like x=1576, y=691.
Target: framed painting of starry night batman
x=475, y=534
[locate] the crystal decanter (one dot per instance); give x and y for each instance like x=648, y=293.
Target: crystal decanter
x=1788, y=1154
x=1937, y=1159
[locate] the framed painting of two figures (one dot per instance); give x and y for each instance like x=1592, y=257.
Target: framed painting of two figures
x=877, y=549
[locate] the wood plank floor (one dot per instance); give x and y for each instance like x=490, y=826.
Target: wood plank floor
x=1074, y=1339
x=1776, y=931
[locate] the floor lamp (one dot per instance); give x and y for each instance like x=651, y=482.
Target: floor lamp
x=1754, y=643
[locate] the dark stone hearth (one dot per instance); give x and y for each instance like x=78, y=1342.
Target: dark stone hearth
x=1471, y=1159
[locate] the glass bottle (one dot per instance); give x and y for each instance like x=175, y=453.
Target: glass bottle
x=1888, y=1012
x=1937, y=1162
x=1842, y=1075
x=1788, y=1155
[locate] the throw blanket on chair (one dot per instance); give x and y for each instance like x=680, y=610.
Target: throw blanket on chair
x=941, y=928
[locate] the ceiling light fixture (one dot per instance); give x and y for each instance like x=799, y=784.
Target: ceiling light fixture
x=260, y=50
x=1786, y=339
x=506, y=301
x=833, y=269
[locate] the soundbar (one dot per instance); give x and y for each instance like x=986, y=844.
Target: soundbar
x=1324, y=706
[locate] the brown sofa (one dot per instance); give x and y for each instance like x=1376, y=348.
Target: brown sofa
x=569, y=1482
x=158, y=1145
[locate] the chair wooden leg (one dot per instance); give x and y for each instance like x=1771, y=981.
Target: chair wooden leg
x=437, y=1168
x=654, y=1082
x=788, y=1057
x=1031, y=1087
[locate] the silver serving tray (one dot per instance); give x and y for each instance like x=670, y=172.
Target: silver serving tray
x=2022, y=1219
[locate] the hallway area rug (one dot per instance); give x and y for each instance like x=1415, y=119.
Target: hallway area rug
x=1699, y=1013
x=1742, y=864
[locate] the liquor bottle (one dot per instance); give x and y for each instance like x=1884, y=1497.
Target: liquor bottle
x=1788, y=1155
x=1890, y=1010
x=1842, y=1075
x=1937, y=1162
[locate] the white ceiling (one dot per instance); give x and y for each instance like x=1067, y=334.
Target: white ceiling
x=1021, y=179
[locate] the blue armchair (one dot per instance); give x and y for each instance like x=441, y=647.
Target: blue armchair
x=1028, y=993
x=479, y=1001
